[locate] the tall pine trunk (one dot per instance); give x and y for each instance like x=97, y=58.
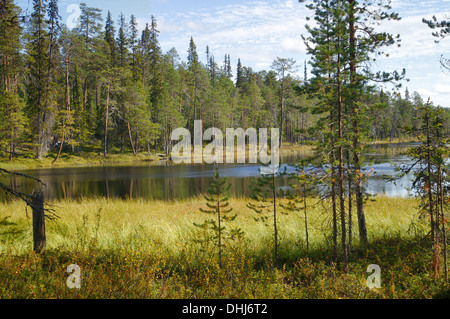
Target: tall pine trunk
x=359, y=192
x=340, y=152
x=106, y=120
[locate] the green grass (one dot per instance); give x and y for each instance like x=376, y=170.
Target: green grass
x=86, y=158
x=396, y=140
x=148, y=249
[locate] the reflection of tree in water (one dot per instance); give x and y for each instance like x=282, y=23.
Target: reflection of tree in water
x=162, y=182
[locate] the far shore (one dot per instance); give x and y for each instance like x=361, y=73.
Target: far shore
x=97, y=159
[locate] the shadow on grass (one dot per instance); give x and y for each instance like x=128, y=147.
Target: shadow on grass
x=191, y=273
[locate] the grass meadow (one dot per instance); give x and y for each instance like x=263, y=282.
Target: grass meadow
x=151, y=249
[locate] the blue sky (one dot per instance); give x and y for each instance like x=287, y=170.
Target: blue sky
x=259, y=31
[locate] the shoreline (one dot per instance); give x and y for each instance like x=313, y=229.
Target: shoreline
x=95, y=159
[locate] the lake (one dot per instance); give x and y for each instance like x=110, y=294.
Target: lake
x=165, y=181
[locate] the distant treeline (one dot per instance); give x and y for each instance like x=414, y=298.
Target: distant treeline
x=107, y=85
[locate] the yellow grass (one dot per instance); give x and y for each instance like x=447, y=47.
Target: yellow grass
x=141, y=222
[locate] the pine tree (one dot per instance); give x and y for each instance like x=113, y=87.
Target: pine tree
x=431, y=177
x=326, y=46
x=283, y=66
x=218, y=205
x=266, y=203
x=341, y=81
x=304, y=188
x=90, y=26
x=444, y=32
x=361, y=51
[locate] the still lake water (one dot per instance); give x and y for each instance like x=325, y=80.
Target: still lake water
x=164, y=180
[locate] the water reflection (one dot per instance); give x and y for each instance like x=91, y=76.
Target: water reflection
x=166, y=181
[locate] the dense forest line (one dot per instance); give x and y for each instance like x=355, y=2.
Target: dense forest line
x=109, y=86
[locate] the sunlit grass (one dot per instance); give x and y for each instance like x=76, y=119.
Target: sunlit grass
x=147, y=249
x=114, y=221
x=83, y=159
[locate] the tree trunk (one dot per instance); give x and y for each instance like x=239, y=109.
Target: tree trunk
x=220, y=233
x=333, y=192
x=131, y=139
x=306, y=216
x=282, y=109
x=39, y=238
x=393, y=125
x=60, y=149
x=429, y=182
x=341, y=158
x=275, y=230
x=443, y=222
x=106, y=120
x=364, y=239
x=350, y=197
x=85, y=94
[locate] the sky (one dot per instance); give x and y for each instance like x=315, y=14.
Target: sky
x=259, y=31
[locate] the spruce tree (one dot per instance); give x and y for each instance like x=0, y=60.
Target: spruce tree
x=239, y=74
x=110, y=33
x=134, y=47
x=194, y=69
x=12, y=119
x=38, y=65
x=122, y=42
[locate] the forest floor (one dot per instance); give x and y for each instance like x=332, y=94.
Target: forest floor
x=152, y=249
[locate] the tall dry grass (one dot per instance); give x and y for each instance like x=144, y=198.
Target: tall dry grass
x=148, y=249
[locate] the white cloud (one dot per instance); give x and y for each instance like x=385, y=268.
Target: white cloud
x=256, y=31
x=259, y=31
x=293, y=45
